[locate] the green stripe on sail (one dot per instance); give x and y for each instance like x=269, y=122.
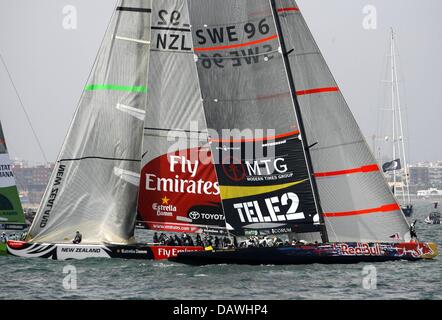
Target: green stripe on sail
x=94, y=87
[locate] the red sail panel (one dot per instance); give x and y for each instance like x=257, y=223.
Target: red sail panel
x=178, y=194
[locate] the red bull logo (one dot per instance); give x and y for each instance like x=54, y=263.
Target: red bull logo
x=360, y=249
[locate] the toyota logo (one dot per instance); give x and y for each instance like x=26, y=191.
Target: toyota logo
x=194, y=215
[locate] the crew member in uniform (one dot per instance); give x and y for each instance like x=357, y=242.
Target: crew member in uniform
x=78, y=238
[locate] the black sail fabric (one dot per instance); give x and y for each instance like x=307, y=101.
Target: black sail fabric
x=95, y=182
x=357, y=203
x=257, y=149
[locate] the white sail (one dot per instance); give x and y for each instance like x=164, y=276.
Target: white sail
x=357, y=203
x=91, y=189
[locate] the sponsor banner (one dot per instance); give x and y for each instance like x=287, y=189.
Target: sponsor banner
x=271, y=192
x=13, y=227
x=6, y=174
x=180, y=194
x=164, y=252
x=11, y=210
x=407, y=249
x=52, y=196
x=359, y=249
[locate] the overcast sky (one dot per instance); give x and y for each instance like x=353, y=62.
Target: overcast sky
x=50, y=65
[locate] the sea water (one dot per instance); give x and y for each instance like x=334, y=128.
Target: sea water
x=135, y=279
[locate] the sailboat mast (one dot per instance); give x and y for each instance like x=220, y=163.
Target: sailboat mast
x=393, y=107
x=399, y=109
x=302, y=130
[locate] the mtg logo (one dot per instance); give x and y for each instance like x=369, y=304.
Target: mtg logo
x=266, y=167
x=236, y=171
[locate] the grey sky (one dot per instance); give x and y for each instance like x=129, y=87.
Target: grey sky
x=50, y=65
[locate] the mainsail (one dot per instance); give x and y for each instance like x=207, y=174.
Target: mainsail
x=179, y=191
x=255, y=136
x=94, y=186
x=11, y=211
x=357, y=203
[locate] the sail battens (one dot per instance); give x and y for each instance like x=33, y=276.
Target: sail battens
x=176, y=130
x=289, y=9
x=137, y=113
x=317, y=90
x=279, y=136
x=171, y=29
x=132, y=40
x=363, y=169
x=112, y=87
x=99, y=158
x=133, y=9
x=238, y=45
x=300, y=93
x=384, y=208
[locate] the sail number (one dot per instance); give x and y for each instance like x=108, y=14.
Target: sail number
x=231, y=34
x=177, y=39
x=172, y=19
x=252, y=212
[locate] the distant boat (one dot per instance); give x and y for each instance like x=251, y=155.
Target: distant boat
x=395, y=137
x=427, y=194
x=12, y=217
x=434, y=217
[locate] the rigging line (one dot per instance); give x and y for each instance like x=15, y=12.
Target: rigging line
x=24, y=110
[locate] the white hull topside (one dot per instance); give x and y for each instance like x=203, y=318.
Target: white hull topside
x=63, y=252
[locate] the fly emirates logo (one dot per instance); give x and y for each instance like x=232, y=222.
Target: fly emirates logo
x=182, y=166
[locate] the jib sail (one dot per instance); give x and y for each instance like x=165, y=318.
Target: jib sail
x=94, y=186
x=11, y=211
x=255, y=137
x=179, y=191
x=357, y=203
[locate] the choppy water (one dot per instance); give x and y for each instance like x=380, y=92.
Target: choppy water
x=119, y=279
